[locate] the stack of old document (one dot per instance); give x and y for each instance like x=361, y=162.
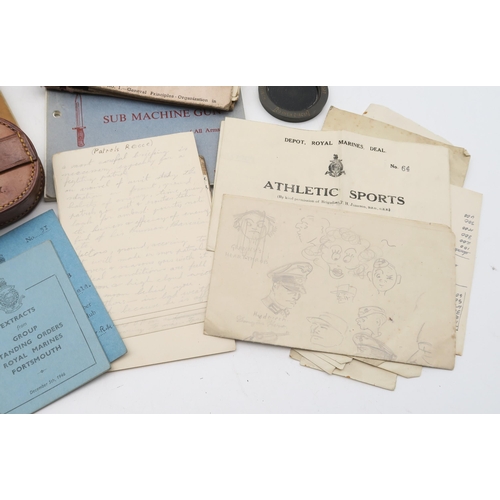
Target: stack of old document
x=354, y=245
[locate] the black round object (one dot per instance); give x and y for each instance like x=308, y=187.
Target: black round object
x=293, y=104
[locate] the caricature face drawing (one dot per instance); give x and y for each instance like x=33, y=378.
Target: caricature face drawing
x=384, y=276
x=372, y=322
x=253, y=226
x=327, y=330
x=287, y=288
x=345, y=293
x=370, y=319
x=345, y=253
x=311, y=228
x=285, y=298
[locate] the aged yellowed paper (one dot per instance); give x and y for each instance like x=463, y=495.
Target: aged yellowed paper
x=466, y=212
x=387, y=115
x=403, y=369
x=338, y=119
x=318, y=279
x=331, y=169
x=137, y=214
x=355, y=370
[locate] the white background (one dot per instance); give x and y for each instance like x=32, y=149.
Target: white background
x=263, y=379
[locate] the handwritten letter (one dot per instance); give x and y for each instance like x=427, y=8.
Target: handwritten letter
x=137, y=214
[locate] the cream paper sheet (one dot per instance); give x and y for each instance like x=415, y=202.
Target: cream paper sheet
x=465, y=220
x=340, y=120
x=367, y=286
x=386, y=115
x=466, y=213
x=137, y=214
x=406, y=371
x=356, y=370
x=331, y=169
x=465, y=204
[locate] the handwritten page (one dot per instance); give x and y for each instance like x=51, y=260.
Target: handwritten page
x=137, y=214
x=338, y=282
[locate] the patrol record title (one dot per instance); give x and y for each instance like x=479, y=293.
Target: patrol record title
x=326, y=191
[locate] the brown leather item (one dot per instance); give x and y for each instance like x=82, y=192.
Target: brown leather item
x=22, y=178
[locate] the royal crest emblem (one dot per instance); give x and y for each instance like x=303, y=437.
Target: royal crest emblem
x=10, y=299
x=335, y=169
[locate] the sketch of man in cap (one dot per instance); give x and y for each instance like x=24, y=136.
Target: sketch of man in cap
x=384, y=276
x=345, y=293
x=370, y=319
x=327, y=330
x=287, y=287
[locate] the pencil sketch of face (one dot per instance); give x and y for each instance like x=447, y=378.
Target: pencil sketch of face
x=254, y=225
x=371, y=319
x=345, y=253
x=253, y=228
x=327, y=330
x=345, y=293
x=311, y=228
x=384, y=276
x=287, y=287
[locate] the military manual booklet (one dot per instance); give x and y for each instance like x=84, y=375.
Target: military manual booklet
x=47, y=227
x=76, y=121
x=220, y=97
x=48, y=347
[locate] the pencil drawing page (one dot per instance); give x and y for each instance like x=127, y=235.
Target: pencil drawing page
x=331, y=169
x=355, y=284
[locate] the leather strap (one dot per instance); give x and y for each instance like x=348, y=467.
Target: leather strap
x=13, y=152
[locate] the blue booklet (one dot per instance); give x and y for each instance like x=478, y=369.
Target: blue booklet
x=48, y=347
x=81, y=121
x=47, y=227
